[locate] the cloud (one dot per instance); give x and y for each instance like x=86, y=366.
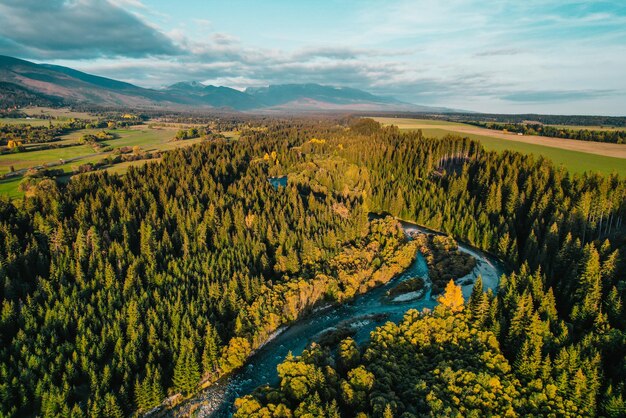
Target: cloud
x=499, y=52
x=497, y=57
x=79, y=29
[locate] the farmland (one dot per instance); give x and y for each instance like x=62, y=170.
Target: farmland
x=57, y=113
x=26, y=121
x=577, y=156
x=142, y=139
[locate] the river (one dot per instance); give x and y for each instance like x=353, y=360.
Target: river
x=217, y=400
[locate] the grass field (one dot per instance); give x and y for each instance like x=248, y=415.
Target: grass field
x=36, y=158
x=408, y=123
x=573, y=160
x=61, y=113
x=9, y=187
x=26, y=121
x=147, y=139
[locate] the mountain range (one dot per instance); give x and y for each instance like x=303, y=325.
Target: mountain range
x=23, y=82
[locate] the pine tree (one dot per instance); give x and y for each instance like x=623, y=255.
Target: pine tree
x=186, y=370
x=349, y=355
x=476, y=299
x=520, y=321
x=211, y=352
x=141, y=398
x=613, y=405
x=613, y=306
x=157, y=394
x=589, y=290
x=111, y=408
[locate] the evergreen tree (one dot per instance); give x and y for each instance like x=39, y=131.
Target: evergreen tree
x=211, y=352
x=186, y=370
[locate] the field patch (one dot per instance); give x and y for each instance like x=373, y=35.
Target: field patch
x=27, y=121
x=141, y=138
x=60, y=113
x=577, y=156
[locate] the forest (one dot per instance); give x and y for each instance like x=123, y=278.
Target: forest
x=121, y=291
x=550, y=341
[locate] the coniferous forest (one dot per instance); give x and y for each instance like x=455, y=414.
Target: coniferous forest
x=121, y=291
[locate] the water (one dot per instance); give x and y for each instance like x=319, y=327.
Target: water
x=277, y=182
x=217, y=400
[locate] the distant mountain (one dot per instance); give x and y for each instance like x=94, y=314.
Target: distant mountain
x=277, y=95
x=187, y=86
x=215, y=96
x=71, y=86
x=22, y=80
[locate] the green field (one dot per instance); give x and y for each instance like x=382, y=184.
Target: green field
x=574, y=161
x=147, y=139
x=9, y=187
x=36, y=158
x=408, y=123
x=24, y=121
x=60, y=113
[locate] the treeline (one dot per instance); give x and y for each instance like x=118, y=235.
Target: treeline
x=559, y=319
x=595, y=135
x=579, y=120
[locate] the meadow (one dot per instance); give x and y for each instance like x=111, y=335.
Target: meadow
x=576, y=156
x=59, y=114
x=27, y=121
x=69, y=158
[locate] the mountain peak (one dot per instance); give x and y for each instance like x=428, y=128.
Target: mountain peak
x=187, y=85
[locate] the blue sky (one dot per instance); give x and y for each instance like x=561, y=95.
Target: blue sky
x=493, y=56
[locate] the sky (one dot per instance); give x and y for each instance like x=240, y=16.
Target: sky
x=507, y=56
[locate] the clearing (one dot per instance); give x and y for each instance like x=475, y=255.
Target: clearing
x=577, y=156
x=71, y=157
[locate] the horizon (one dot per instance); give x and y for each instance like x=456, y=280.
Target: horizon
x=561, y=58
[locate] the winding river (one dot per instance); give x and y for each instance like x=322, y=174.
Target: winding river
x=361, y=313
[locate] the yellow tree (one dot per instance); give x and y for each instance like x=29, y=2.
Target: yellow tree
x=452, y=298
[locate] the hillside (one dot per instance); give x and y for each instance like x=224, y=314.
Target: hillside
x=50, y=84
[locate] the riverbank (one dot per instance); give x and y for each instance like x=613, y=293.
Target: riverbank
x=260, y=368
x=409, y=226
x=285, y=304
